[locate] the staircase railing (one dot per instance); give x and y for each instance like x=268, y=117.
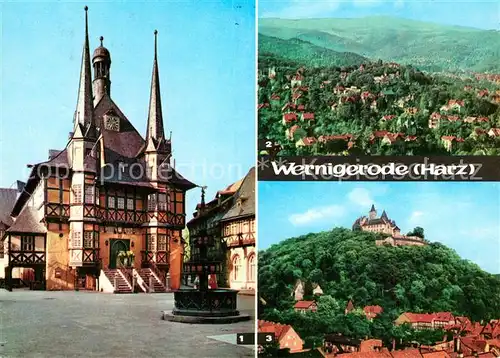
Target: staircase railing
x=128, y=273
x=162, y=275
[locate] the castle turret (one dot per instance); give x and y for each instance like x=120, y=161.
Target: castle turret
x=373, y=213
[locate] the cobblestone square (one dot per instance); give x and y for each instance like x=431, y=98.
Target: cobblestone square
x=90, y=324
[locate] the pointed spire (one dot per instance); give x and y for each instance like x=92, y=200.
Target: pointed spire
x=155, y=129
x=84, y=113
x=373, y=208
x=384, y=215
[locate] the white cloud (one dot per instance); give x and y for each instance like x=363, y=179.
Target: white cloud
x=305, y=9
x=416, y=216
x=398, y=4
x=317, y=214
x=361, y=197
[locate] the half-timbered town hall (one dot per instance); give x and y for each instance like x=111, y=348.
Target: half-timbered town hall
x=106, y=212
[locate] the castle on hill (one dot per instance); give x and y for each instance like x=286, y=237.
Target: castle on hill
x=386, y=226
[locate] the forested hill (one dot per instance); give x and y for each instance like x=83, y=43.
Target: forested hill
x=305, y=52
x=348, y=265
x=427, y=46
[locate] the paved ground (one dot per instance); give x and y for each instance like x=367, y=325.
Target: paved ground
x=84, y=324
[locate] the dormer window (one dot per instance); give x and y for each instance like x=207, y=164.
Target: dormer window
x=112, y=123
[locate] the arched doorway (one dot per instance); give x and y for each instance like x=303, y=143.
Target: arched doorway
x=115, y=246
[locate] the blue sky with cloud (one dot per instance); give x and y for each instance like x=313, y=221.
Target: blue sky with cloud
x=463, y=216
x=483, y=14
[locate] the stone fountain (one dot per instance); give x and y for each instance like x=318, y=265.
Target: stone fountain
x=202, y=304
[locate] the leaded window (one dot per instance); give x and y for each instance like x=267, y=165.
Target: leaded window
x=130, y=204
x=152, y=242
x=162, y=202
x=162, y=242
x=77, y=194
x=111, y=202
x=89, y=195
x=88, y=239
x=77, y=239
x=152, y=202
x=121, y=203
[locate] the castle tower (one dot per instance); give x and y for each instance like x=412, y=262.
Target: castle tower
x=373, y=213
x=101, y=61
x=82, y=162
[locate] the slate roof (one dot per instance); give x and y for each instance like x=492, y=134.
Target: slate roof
x=127, y=142
x=28, y=221
x=244, y=199
x=7, y=201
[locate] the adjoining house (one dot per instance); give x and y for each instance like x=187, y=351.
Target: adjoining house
x=230, y=218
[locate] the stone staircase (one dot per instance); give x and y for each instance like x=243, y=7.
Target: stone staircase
x=122, y=285
x=145, y=273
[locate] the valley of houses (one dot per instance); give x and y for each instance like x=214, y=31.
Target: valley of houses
x=470, y=339
x=295, y=114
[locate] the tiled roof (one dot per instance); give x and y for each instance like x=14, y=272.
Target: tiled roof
x=473, y=344
x=420, y=317
x=28, y=221
x=303, y=304
x=231, y=189
x=372, y=311
x=365, y=355
x=244, y=199
x=437, y=354
x=406, y=353
x=7, y=201
x=278, y=329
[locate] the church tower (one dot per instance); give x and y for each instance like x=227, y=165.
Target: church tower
x=158, y=148
x=82, y=162
x=101, y=61
x=373, y=213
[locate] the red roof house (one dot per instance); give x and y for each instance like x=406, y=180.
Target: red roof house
x=289, y=117
x=307, y=116
x=372, y=311
x=284, y=334
x=304, y=306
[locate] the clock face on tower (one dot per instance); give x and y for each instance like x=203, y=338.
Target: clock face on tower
x=112, y=123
